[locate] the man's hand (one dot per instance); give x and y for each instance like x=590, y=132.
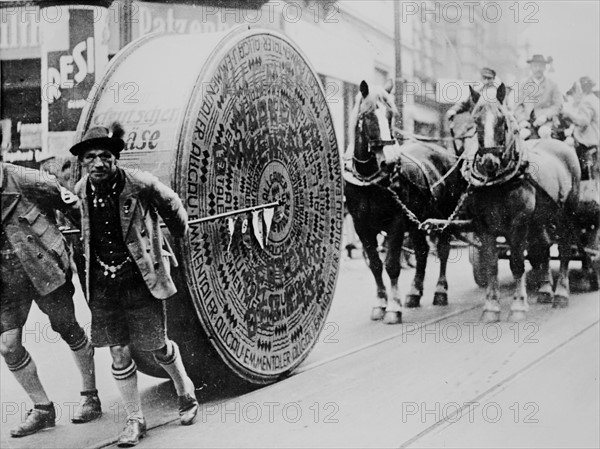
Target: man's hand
x=545, y=132
x=524, y=133
x=540, y=121
x=570, y=141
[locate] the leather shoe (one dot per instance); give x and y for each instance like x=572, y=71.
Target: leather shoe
x=188, y=409
x=134, y=431
x=36, y=420
x=89, y=407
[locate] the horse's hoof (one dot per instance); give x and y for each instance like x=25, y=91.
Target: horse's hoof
x=545, y=298
x=377, y=313
x=583, y=285
x=392, y=318
x=516, y=316
x=440, y=299
x=490, y=316
x=412, y=301
x=560, y=302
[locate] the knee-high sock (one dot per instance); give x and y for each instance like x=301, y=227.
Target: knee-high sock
x=127, y=383
x=83, y=353
x=173, y=365
x=26, y=373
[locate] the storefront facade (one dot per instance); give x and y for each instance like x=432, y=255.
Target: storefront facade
x=52, y=57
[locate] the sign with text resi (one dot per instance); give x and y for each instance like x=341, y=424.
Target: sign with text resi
x=71, y=73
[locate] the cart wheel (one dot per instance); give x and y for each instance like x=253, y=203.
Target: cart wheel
x=478, y=269
x=596, y=258
x=593, y=278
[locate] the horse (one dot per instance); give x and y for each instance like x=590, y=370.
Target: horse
x=393, y=188
x=526, y=192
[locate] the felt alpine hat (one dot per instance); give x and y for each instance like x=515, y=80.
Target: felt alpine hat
x=101, y=137
x=540, y=58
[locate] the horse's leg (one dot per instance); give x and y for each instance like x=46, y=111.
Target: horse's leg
x=489, y=258
x=589, y=273
x=393, y=311
x=518, y=243
x=406, y=255
x=539, y=256
x=561, y=292
x=369, y=242
x=421, y=248
x=440, y=297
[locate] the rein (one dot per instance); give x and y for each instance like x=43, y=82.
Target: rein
x=470, y=132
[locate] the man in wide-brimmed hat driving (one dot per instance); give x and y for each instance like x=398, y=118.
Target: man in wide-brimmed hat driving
x=128, y=269
x=539, y=100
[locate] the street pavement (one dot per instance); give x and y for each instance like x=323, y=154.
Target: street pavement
x=440, y=379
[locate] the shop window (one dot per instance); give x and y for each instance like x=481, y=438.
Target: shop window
x=20, y=95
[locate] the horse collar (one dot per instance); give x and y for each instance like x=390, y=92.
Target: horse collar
x=381, y=142
x=358, y=180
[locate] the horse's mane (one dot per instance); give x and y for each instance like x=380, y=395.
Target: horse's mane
x=504, y=110
x=377, y=96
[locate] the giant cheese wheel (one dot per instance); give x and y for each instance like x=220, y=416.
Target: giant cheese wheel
x=233, y=120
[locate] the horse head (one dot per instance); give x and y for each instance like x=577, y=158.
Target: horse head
x=497, y=133
x=370, y=129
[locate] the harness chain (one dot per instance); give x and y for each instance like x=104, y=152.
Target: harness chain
x=412, y=217
x=459, y=205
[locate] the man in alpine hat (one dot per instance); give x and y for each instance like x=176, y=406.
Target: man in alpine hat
x=128, y=269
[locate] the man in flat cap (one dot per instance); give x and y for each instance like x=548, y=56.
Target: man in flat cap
x=488, y=77
x=128, y=269
x=488, y=81
x=35, y=266
x=539, y=100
